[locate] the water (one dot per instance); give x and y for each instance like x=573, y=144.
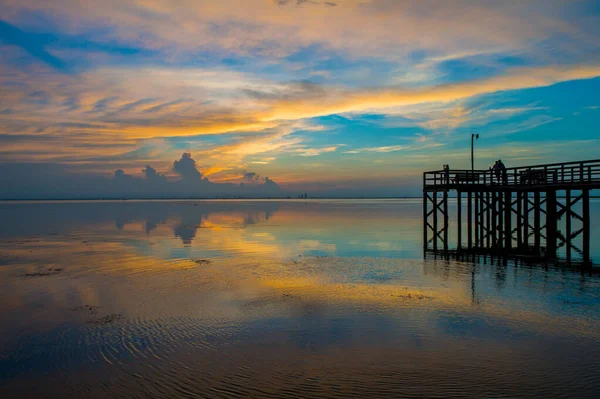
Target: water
x=279, y=299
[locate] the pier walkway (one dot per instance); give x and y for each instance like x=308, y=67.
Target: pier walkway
x=530, y=210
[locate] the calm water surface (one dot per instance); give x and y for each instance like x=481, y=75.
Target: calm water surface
x=279, y=299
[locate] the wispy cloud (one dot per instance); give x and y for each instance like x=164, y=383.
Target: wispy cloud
x=387, y=29
x=313, y=152
x=263, y=161
x=113, y=108
x=384, y=149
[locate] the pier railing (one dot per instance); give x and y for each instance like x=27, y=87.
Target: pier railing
x=580, y=173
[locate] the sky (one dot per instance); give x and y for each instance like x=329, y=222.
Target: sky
x=281, y=97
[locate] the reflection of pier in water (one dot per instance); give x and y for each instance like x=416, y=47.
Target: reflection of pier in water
x=504, y=269
x=531, y=211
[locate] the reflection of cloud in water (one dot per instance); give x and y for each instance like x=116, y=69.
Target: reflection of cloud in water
x=110, y=272
x=296, y=226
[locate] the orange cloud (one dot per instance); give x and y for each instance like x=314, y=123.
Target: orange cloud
x=362, y=27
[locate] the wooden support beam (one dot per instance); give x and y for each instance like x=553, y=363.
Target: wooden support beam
x=445, y=220
x=470, y=222
x=494, y=216
x=479, y=217
x=536, y=221
x=499, y=219
x=576, y=233
x=551, y=223
x=482, y=220
x=568, y=207
x=435, y=224
x=568, y=241
x=459, y=219
x=508, y=220
x=586, y=225
x=519, y=204
x=488, y=214
x=425, y=222
x=526, y=220
x=500, y=225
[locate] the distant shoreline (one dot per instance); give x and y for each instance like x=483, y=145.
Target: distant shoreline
x=201, y=199
x=214, y=199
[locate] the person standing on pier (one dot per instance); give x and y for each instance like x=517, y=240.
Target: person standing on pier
x=446, y=174
x=497, y=171
x=502, y=172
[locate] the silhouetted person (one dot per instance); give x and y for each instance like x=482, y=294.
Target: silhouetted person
x=446, y=174
x=497, y=171
x=502, y=169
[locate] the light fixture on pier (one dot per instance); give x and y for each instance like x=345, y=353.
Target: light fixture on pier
x=474, y=136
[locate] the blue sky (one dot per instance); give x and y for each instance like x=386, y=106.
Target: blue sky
x=346, y=96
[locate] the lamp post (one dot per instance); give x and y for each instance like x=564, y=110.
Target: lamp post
x=474, y=137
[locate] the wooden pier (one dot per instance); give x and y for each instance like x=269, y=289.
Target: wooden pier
x=528, y=211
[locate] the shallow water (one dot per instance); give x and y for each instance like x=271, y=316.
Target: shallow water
x=279, y=299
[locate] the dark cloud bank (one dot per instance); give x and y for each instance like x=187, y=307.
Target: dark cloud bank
x=54, y=181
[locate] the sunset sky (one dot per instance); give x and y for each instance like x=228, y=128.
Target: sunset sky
x=354, y=97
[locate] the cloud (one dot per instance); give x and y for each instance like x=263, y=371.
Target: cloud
x=444, y=117
x=152, y=175
x=22, y=181
x=251, y=177
x=381, y=149
x=380, y=99
x=255, y=130
x=186, y=167
x=270, y=184
x=116, y=102
x=380, y=28
x=263, y=161
x=313, y=152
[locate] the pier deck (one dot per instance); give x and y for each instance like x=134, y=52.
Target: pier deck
x=530, y=210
